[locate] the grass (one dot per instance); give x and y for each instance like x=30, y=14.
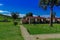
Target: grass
x=54, y=39
x=10, y=32
x=42, y=28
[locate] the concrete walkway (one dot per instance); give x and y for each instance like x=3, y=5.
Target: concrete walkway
x=25, y=33
x=46, y=36
x=27, y=36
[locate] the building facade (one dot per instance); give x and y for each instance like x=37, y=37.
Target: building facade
x=31, y=20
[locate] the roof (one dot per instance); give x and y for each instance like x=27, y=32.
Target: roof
x=34, y=17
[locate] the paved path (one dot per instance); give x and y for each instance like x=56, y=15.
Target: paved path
x=27, y=36
x=46, y=36
x=25, y=33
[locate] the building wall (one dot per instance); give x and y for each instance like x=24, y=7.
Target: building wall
x=38, y=20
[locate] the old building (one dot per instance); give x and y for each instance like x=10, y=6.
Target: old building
x=31, y=20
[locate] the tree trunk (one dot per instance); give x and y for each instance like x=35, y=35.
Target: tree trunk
x=29, y=21
x=51, y=16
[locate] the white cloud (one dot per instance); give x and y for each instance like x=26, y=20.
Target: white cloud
x=1, y=11
x=1, y=4
x=7, y=14
x=34, y=15
x=21, y=15
x=45, y=16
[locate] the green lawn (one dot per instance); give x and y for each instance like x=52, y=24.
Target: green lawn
x=54, y=39
x=42, y=28
x=10, y=32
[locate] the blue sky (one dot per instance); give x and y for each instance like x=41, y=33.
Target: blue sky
x=25, y=6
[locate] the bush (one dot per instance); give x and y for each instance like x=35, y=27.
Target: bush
x=4, y=21
x=15, y=23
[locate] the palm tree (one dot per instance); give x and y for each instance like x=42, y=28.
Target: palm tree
x=51, y=3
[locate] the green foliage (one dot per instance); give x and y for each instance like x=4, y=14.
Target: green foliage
x=5, y=18
x=15, y=23
x=45, y=3
x=24, y=17
x=57, y=2
x=14, y=15
x=29, y=14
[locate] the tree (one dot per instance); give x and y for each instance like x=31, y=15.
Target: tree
x=45, y=3
x=29, y=14
x=15, y=16
x=24, y=17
